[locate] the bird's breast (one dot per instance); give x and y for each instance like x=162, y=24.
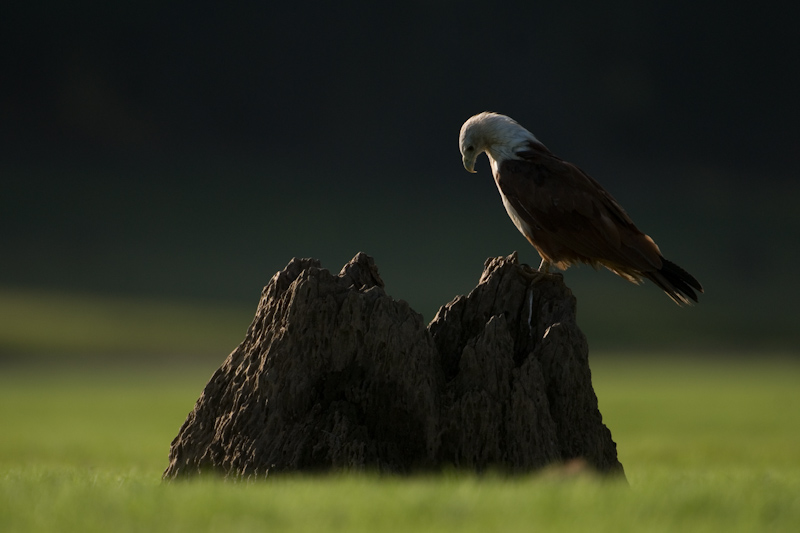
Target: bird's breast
x=521, y=225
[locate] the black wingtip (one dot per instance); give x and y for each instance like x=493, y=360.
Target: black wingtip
x=676, y=283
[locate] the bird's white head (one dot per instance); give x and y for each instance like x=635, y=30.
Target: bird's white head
x=497, y=135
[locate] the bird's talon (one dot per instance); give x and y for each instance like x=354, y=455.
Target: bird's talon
x=534, y=275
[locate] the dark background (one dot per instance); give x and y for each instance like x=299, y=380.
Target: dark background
x=185, y=151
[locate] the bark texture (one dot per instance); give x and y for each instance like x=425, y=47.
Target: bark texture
x=335, y=374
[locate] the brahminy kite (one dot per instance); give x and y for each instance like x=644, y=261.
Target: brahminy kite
x=564, y=213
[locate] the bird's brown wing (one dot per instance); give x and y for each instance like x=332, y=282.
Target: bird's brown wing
x=572, y=217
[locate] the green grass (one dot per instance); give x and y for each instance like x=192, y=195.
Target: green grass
x=707, y=444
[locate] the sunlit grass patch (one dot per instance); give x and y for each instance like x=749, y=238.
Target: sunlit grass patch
x=71, y=499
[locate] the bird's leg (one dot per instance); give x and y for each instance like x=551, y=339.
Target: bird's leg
x=535, y=275
x=542, y=272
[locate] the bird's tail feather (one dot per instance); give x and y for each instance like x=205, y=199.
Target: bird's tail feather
x=676, y=282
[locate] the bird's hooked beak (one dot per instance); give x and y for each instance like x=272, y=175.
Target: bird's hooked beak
x=469, y=164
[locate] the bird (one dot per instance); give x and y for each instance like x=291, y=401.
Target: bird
x=563, y=212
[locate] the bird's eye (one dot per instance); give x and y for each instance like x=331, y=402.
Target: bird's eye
x=470, y=148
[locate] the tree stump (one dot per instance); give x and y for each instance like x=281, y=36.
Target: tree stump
x=335, y=374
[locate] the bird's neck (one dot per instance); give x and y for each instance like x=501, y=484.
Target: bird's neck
x=509, y=142
x=498, y=153
x=495, y=162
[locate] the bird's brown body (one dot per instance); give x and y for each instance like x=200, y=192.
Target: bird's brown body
x=565, y=214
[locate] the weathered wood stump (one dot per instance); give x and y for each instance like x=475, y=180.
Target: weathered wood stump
x=335, y=374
